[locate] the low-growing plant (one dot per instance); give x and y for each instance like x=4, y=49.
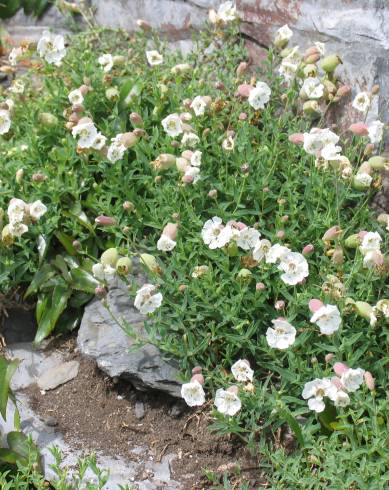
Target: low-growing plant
x=246, y=199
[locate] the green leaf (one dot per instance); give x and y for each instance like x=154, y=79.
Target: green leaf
x=293, y=424
x=42, y=275
x=67, y=242
x=8, y=8
x=10, y=457
x=7, y=369
x=41, y=305
x=52, y=312
x=83, y=281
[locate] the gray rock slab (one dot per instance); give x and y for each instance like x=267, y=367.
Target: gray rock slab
x=101, y=338
x=58, y=375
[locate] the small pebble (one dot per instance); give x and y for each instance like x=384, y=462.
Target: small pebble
x=139, y=410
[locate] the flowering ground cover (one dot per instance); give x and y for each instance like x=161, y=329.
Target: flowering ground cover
x=248, y=205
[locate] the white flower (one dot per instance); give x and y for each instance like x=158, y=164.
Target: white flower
x=16, y=211
x=17, y=229
x=37, y=209
x=283, y=35
x=5, y=121
x=282, y=335
x=376, y=131
x=242, y=371
x=198, y=105
x=86, y=132
x=103, y=273
x=172, y=125
x=228, y=144
x=75, y=97
x=14, y=55
x=17, y=87
x=51, y=47
x=190, y=139
x=373, y=258
x=312, y=88
x=295, y=267
x=275, y=253
x=195, y=159
x=317, y=139
x=248, y=238
x=115, y=151
x=193, y=173
x=370, y=242
x=352, y=379
x=10, y=104
x=154, y=58
x=227, y=402
x=259, y=95
x=165, y=243
x=147, y=300
x=331, y=152
x=193, y=393
x=341, y=399
x=261, y=249
x=99, y=142
x=290, y=64
x=199, y=271
x=215, y=234
x=227, y=12
x=361, y=102
x=314, y=391
x=106, y=61
x=363, y=179
x=327, y=318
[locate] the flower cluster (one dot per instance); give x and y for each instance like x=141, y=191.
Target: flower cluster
x=20, y=215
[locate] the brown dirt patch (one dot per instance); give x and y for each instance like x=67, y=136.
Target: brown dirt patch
x=95, y=413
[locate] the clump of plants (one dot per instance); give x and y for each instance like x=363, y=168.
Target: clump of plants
x=248, y=206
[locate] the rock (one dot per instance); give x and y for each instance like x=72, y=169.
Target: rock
x=58, y=375
x=139, y=410
x=101, y=338
x=177, y=410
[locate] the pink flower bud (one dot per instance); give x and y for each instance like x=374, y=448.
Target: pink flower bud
x=197, y=370
x=260, y=286
x=144, y=25
x=361, y=234
x=315, y=304
x=140, y=133
x=76, y=244
x=84, y=89
x=280, y=234
x=244, y=90
x=187, y=179
x=233, y=389
x=328, y=357
x=78, y=108
x=369, y=380
x=368, y=149
x=242, y=68
x=343, y=91
x=340, y=368
x=136, y=119
x=279, y=305
x=332, y=233
x=38, y=177
x=336, y=382
x=359, y=128
x=170, y=231
x=105, y=220
x=187, y=154
x=285, y=218
x=128, y=206
x=308, y=249
x=199, y=378
x=237, y=224
x=242, y=116
x=219, y=85
x=212, y=194
x=296, y=138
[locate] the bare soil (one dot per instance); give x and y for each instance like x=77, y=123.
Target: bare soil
x=96, y=413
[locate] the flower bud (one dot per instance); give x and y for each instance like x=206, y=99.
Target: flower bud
x=19, y=176
x=109, y=257
x=187, y=179
x=242, y=116
x=377, y=162
x=123, y=266
x=6, y=236
x=245, y=168
x=315, y=304
x=128, y=139
x=369, y=148
x=336, y=382
x=119, y=60
x=383, y=219
x=244, y=90
x=74, y=117
x=100, y=292
x=242, y=68
x=198, y=377
x=76, y=244
x=364, y=310
x=308, y=250
x=310, y=70
x=312, y=58
x=233, y=389
x=197, y=370
x=103, y=220
x=359, y=128
x=212, y=194
x=369, y=380
x=136, y=119
x=362, y=181
x=311, y=109
x=343, y=91
x=375, y=90
x=244, y=275
x=337, y=256
x=332, y=234
x=84, y=89
x=182, y=288
x=48, y=120
x=260, y=286
x=38, y=177
x=180, y=68
x=150, y=262
x=296, y=138
x=328, y=357
x=340, y=368
x=329, y=63
x=311, y=50
x=280, y=234
x=144, y=25
x=279, y=305
x=353, y=241
x=170, y=230
x=112, y=94
x=164, y=161
x=128, y=206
